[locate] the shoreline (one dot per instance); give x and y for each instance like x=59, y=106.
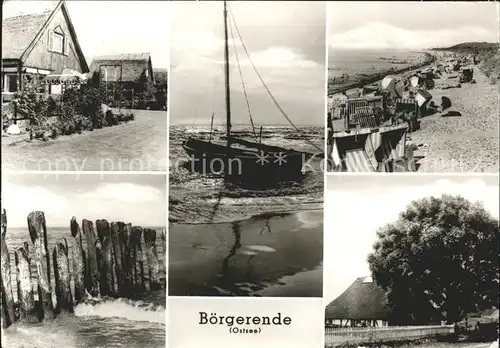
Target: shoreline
x=243, y=209
x=430, y=59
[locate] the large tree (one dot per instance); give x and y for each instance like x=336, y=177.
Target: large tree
x=439, y=260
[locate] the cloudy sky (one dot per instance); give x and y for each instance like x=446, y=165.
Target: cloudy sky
x=358, y=205
x=286, y=42
x=411, y=25
x=111, y=27
x=139, y=199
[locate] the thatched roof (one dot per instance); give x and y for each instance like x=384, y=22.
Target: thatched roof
x=133, y=65
x=363, y=300
x=23, y=24
x=18, y=33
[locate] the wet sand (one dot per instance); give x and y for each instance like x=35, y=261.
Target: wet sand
x=192, y=210
x=196, y=199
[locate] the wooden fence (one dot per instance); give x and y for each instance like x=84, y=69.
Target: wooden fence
x=115, y=260
x=366, y=335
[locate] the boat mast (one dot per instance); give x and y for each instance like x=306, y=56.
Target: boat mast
x=226, y=77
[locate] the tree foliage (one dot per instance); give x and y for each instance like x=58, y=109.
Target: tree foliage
x=145, y=91
x=438, y=261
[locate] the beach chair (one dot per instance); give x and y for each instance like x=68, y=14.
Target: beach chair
x=406, y=111
x=350, y=110
x=357, y=161
x=365, y=117
x=360, y=114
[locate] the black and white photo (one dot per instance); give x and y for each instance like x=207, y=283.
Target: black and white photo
x=412, y=261
x=413, y=86
x=84, y=85
x=83, y=260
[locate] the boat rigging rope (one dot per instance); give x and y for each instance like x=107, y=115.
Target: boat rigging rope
x=267, y=88
x=242, y=80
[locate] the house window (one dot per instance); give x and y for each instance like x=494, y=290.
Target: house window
x=57, y=42
x=10, y=83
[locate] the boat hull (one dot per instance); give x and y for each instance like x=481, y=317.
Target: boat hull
x=210, y=158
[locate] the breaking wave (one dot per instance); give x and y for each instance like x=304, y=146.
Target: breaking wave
x=122, y=308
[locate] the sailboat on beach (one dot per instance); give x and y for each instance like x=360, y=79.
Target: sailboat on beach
x=239, y=158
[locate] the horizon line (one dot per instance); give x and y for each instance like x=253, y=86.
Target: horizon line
x=68, y=226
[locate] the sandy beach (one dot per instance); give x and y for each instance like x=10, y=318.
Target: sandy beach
x=468, y=143
x=465, y=143
x=197, y=199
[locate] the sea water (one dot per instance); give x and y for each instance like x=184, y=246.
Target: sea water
x=267, y=255
x=369, y=61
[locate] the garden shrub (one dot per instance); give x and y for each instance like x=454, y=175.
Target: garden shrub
x=126, y=104
x=110, y=118
x=33, y=108
x=66, y=118
x=6, y=119
x=78, y=110
x=51, y=106
x=126, y=118
x=140, y=104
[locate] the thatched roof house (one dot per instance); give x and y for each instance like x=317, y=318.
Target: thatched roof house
x=38, y=39
x=129, y=65
x=363, y=301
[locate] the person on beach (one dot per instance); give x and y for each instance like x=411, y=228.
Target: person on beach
x=445, y=103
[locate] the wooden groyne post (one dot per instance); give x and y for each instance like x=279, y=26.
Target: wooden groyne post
x=139, y=259
x=78, y=255
x=106, y=269
x=27, y=309
x=164, y=244
x=92, y=264
x=124, y=239
x=152, y=258
x=8, y=313
x=116, y=227
x=62, y=277
x=38, y=234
